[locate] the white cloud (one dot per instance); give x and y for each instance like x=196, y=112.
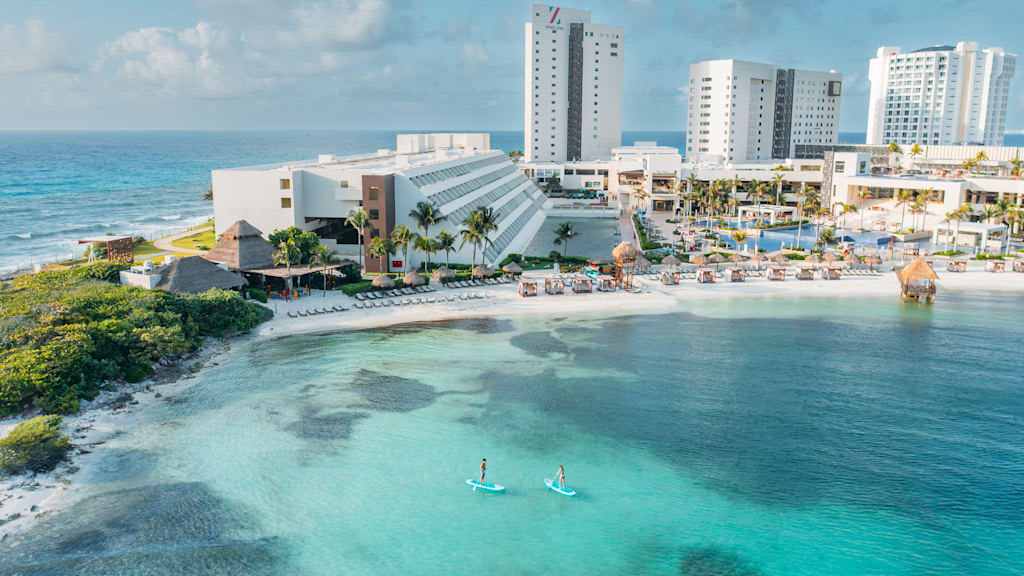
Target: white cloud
x=337, y=23
x=473, y=53
x=32, y=48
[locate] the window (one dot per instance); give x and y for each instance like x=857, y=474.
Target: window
x=374, y=193
x=286, y=184
x=374, y=214
x=343, y=183
x=286, y=202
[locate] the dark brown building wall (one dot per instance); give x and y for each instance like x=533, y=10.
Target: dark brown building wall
x=379, y=201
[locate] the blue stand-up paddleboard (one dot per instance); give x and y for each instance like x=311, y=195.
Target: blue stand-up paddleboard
x=486, y=486
x=554, y=486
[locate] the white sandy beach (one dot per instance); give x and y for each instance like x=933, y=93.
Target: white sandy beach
x=97, y=427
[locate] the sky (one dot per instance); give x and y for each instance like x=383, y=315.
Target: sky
x=420, y=65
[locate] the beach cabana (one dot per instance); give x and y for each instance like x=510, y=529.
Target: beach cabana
x=554, y=285
x=705, y=276
x=119, y=248
x=1018, y=265
x=582, y=284
x=443, y=274
x=956, y=265
x=527, y=287
x=413, y=278
x=512, y=269
x=776, y=272
x=830, y=272
x=669, y=277
x=805, y=272
x=383, y=282
x=605, y=283
x=735, y=274
x=917, y=281
x=995, y=266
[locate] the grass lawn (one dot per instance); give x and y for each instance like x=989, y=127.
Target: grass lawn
x=199, y=241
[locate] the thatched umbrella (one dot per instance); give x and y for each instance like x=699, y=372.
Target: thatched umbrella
x=736, y=258
x=643, y=263
x=778, y=257
x=851, y=258
x=758, y=257
x=482, y=271
x=443, y=274
x=384, y=281
x=871, y=260
x=830, y=257
x=412, y=278
x=626, y=250
x=699, y=259
x=716, y=259
x=671, y=260
x=813, y=259
x=513, y=268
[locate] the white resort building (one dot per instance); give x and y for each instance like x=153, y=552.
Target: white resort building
x=940, y=95
x=749, y=112
x=573, y=86
x=456, y=172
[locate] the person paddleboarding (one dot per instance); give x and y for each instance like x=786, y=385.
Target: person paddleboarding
x=560, y=477
x=483, y=470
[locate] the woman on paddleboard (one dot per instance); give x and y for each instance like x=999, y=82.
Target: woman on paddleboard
x=560, y=477
x=483, y=470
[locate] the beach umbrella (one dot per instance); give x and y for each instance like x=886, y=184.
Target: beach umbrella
x=699, y=259
x=443, y=274
x=643, y=263
x=737, y=258
x=813, y=259
x=778, y=257
x=412, y=278
x=482, y=271
x=512, y=268
x=384, y=281
x=852, y=258
x=758, y=257
x=872, y=261
x=830, y=257
x=671, y=260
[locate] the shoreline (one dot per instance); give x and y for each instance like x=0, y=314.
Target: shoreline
x=113, y=412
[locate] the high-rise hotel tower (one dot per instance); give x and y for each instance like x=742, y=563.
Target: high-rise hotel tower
x=573, y=86
x=939, y=96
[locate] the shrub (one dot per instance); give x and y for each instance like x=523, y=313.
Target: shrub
x=137, y=372
x=36, y=445
x=258, y=295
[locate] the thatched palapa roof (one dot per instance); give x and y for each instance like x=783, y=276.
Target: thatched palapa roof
x=480, y=270
x=194, y=275
x=242, y=247
x=671, y=260
x=512, y=268
x=443, y=273
x=918, y=269
x=412, y=278
x=383, y=281
x=626, y=250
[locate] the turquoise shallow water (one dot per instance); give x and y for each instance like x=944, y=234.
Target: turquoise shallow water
x=754, y=436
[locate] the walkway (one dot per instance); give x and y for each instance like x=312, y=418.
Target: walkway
x=165, y=242
x=627, y=230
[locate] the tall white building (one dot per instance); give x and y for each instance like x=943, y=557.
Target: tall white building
x=939, y=96
x=573, y=86
x=748, y=112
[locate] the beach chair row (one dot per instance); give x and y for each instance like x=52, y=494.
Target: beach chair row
x=395, y=293
x=316, y=311
x=396, y=303
x=480, y=282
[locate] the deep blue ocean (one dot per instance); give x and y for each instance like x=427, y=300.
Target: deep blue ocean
x=56, y=187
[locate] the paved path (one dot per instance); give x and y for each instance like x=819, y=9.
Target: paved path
x=627, y=230
x=165, y=243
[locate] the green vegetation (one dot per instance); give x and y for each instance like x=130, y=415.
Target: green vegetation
x=62, y=333
x=566, y=263
x=645, y=244
x=36, y=445
x=950, y=253
x=984, y=256
x=787, y=224
x=194, y=241
x=304, y=242
x=258, y=294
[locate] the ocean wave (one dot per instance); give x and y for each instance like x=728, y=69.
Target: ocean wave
x=24, y=236
x=175, y=217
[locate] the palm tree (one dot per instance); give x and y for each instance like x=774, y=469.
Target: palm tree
x=425, y=245
x=1011, y=217
x=401, y=238
x=425, y=215
x=802, y=196
x=640, y=193
x=980, y=158
x=990, y=213
x=380, y=248
x=970, y=164
x=962, y=213
x=777, y=179
x=445, y=242
x=323, y=257
x=895, y=150
x=359, y=219
x=470, y=234
x=1016, y=163
x=754, y=194
x=487, y=222
x=287, y=253
x=693, y=183
x=926, y=196
x=844, y=209
x=915, y=151
x=864, y=194
x=739, y=237
x=562, y=235
x=554, y=185
x=904, y=197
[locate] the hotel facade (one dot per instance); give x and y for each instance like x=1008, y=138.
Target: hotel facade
x=939, y=96
x=456, y=172
x=741, y=111
x=573, y=86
